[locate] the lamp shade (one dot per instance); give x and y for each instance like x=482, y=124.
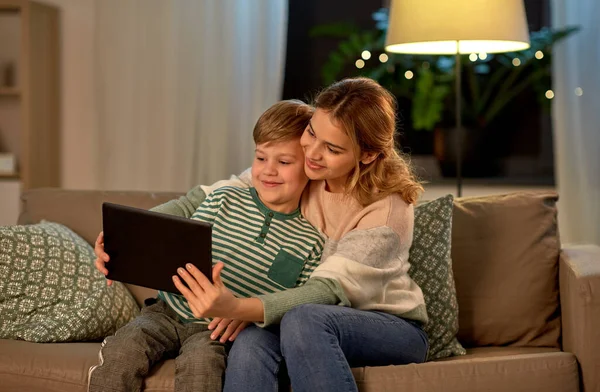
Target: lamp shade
x=440, y=26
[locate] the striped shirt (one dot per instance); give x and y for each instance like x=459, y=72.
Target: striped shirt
x=264, y=251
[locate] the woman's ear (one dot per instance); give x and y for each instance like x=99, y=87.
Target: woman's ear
x=368, y=157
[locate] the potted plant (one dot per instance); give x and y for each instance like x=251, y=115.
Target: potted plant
x=491, y=83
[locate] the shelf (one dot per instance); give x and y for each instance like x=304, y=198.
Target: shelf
x=9, y=176
x=10, y=92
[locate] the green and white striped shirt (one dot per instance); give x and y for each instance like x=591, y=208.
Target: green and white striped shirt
x=264, y=251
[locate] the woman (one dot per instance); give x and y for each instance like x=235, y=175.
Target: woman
x=361, y=197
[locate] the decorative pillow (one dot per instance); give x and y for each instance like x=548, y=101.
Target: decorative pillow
x=431, y=269
x=50, y=290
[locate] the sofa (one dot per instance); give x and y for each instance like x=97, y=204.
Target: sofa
x=528, y=306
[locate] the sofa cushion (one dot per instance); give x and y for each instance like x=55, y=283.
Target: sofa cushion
x=50, y=290
x=505, y=252
x=81, y=211
x=498, y=369
x=431, y=269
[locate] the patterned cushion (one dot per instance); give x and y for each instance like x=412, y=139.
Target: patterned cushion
x=50, y=290
x=431, y=269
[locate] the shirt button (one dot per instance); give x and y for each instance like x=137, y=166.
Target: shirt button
x=267, y=223
x=271, y=214
x=263, y=235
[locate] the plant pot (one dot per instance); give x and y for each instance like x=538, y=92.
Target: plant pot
x=478, y=156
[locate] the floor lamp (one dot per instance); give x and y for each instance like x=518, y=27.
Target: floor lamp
x=457, y=27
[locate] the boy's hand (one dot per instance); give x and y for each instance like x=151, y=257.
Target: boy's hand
x=101, y=256
x=227, y=328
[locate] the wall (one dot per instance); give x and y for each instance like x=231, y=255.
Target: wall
x=78, y=166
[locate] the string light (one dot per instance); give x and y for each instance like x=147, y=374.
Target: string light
x=539, y=55
x=425, y=64
x=516, y=62
x=365, y=54
x=359, y=63
x=383, y=58
x=473, y=57
x=578, y=91
x=482, y=56
x=549, y=94
x=408, y=74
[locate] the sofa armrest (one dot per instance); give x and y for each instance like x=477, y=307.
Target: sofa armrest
x=579, y=280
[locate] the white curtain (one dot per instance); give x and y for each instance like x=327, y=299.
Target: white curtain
x=577, y=120
x=180, y=84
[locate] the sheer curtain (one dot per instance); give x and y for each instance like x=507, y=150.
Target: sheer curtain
x=577, y=120
x=180, y=84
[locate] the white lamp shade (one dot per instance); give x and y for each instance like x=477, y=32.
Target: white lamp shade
x=438, y=26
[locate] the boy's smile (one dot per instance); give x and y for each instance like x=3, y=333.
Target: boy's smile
x=278, y=174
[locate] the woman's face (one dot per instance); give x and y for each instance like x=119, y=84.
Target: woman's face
x=329, y=154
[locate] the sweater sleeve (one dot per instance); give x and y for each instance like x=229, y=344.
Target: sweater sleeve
x=314, y=291
x=185, y=206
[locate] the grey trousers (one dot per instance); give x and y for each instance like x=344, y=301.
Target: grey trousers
x=156, y=334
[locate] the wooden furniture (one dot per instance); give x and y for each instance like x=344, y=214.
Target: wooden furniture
x=29, y=92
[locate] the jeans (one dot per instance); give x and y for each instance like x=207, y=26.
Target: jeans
x=318, y=345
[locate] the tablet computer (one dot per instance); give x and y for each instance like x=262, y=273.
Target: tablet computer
x=146, y=247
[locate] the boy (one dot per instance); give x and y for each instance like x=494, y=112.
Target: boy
x=265, y=243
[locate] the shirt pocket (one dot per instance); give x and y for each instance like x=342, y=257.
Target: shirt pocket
x=286, y=269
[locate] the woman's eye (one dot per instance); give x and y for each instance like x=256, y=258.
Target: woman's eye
x=284, y=162
x=260, y=159
x=331, y=150
x=311, y=133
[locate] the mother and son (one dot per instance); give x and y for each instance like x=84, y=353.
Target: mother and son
x=306, y=283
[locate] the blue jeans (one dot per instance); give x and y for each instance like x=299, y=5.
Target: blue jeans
x=317, y=345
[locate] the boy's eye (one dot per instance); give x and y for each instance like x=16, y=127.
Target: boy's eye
x=284, y=162
x=311, y=133
x=260, y=159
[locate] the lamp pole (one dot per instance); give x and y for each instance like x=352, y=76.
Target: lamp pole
x=458, y=131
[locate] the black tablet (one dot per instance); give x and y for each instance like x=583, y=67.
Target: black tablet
x=146, y=248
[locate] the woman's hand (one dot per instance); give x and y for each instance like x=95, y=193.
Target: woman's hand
x=101, y=257
x=228, y=329
x=206, y=299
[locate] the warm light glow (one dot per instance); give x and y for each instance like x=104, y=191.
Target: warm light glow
x=516, y=62
x=408, y=74
x=473, y=57
x=365, y=54
x=456, y=26
x=359, y=64
x=539, y=55
x=483, y=55
x=549, y=94
x=464, y=47
x=578, y=91
x=383, y=58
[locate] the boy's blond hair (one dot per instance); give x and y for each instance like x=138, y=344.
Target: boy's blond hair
x=283, y=121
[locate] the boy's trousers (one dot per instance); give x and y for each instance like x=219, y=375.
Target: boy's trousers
x=156, y=334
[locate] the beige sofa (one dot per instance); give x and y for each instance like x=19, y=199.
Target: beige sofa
x=529, y=310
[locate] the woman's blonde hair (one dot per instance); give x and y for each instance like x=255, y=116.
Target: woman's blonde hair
x=283, y=121
x=367, y=113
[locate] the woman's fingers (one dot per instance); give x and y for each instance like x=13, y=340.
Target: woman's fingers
x=216, y=275
x=192, y=281
x=221, y=328
x=214, y=322
x=238, y=329
x=198, y=277
x=183, y=289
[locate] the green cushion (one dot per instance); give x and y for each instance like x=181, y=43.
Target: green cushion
x=50, y=290
x=431, y=269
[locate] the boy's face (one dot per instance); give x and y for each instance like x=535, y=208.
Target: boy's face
x=278, y=174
